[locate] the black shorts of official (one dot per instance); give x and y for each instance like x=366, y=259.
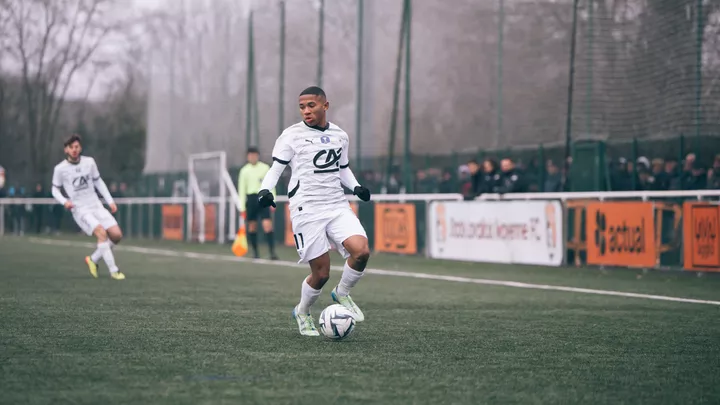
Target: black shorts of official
x=253, y=212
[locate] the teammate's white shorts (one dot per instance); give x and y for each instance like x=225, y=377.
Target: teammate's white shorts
x=90, y=219
x=314, y=235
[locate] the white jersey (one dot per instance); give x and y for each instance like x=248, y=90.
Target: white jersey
x=315, y=157
x=78, y=180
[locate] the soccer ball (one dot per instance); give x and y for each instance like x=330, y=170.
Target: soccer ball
x=337, y=322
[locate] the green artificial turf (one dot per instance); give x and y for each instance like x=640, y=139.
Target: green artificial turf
x=200, y=331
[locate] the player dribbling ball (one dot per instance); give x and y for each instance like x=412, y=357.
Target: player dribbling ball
x=317, y=152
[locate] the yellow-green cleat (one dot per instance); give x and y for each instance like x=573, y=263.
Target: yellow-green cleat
x=117, y=276
x=348, y=303
x=92, y=266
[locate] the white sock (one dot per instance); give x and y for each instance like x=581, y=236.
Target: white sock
x=308, y=296
x=107, y=255
x=349, y=278
x=97, y=254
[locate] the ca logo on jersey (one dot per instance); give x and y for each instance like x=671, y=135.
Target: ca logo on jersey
x=80, y=183
x=327, y=160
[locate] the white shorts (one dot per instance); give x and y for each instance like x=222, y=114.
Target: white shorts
x=315, y=235
x=90, y=219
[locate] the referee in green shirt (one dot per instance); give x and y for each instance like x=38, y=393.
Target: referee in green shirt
x=249, y=180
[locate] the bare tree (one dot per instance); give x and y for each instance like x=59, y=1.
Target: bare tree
x=49, y=42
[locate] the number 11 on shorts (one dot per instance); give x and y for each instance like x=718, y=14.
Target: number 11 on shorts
x=299, y=243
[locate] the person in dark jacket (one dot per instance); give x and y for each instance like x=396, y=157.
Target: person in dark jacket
x=621, y=176
x=511, y=180
x=713, y=182
x=447, y=185
x=696, y=179
x=424, y=184
x=476, y=177
x=490, y=177
x=662, y=179
x=646, y=181
x=673, y=174
x=553, y=180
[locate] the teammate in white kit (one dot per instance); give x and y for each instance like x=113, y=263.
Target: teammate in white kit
x=317, y=152
x=79, y=177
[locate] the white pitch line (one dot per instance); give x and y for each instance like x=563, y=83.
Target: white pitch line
x=424, y=276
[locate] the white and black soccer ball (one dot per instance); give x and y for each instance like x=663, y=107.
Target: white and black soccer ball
x=337, y=322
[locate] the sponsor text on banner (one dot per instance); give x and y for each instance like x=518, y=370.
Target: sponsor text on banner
x=527, y=232
x=621, y=234
x=700, y=236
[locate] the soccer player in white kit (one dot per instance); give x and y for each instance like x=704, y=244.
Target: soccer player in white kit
x=79, y=177
x=317, y=153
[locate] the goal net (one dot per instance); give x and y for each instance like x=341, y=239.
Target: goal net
x=211, y=215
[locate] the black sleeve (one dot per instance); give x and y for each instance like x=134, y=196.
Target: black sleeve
x=477, y=188
x=519, y=184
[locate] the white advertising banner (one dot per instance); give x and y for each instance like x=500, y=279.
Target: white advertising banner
x=527, y=232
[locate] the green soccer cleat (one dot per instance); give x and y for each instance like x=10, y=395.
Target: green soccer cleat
x=92, y=266
x=306, y=324
x=117, y=276
x=348, y=303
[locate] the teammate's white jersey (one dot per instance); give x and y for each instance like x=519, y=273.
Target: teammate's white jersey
x=315, y=157
x=78, y=180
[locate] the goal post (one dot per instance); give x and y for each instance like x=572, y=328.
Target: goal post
x=213, y=198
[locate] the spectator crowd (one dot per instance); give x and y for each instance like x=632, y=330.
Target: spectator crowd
x=475, y=178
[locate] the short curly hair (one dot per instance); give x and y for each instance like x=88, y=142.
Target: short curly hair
x=72, y=139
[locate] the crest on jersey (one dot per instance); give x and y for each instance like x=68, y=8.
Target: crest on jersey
x=327, y=160
x=80, y=183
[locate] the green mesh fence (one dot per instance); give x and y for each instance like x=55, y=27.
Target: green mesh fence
x=642, y=69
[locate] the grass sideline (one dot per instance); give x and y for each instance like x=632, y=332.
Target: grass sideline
x=182, y=331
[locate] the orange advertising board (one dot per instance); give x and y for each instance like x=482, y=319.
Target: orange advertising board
x=701, y=238
x=289, y=240
x=173, y=222
x=395, y=228
x=621, y=234
x=210, y=222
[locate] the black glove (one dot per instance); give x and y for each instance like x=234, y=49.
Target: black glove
x=266, y=199
x=362, y=192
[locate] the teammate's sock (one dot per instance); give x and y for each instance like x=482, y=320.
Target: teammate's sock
x=308, y=296
x=252, y=237
x=108, y=256
x=97, y=254
x=270, y=237
x=349, y=278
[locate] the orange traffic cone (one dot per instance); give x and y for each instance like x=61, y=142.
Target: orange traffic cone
x=240, y=246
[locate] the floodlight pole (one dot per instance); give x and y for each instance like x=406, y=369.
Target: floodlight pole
x=501, y=37
x=359, y=86
x=321, y=42
x=408, y=47
x=571, y=81
x=281, y=80
x=249, y=84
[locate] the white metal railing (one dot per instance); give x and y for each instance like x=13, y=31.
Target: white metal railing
x=232, y=200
